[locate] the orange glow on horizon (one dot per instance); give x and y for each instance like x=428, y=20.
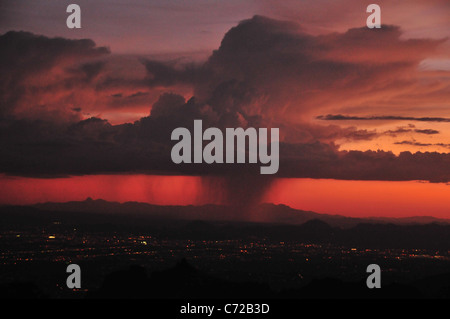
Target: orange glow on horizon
x=348, y=198
x=363, y=198
x=154, y=189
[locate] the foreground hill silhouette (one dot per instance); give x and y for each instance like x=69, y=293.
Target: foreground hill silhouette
x=180, y=282
x=183, y=281
x=21, y=290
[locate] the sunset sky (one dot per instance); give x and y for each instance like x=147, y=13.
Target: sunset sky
x=364, y=114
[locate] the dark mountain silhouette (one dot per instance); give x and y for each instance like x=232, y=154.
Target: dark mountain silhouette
x=263, y=213
x=214, y=223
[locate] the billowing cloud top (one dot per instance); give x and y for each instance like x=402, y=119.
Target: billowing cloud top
x=266, y=73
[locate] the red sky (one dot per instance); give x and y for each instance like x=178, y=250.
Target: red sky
x=363, y=198
x=161, y=190
x=348, y=198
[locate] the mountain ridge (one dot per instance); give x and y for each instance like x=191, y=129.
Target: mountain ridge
x=261, y=213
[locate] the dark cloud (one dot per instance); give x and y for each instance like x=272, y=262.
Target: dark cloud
x=409, y=129
x=397, y=131
x=415, y=143
x=274, y=69
x=320, y=162
x=95, y=146
x=87, y=72
x=36, y=68
x=271, y=73
x=137, y=94
x=412, y=143
x=266, y=73
x=169, y=73
x=339, y=117
x=427, y=131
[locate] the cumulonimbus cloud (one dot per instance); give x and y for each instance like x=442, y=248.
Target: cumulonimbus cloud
x=266, y=73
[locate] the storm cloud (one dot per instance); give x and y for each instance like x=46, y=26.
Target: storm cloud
x=266, y=73
x=39, y=74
